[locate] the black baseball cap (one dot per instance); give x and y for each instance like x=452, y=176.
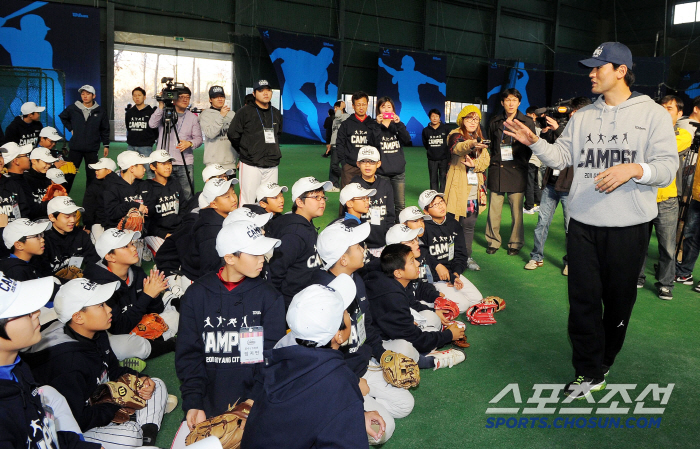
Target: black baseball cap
x=261, y=84
x=216, y=91
x=613, y=52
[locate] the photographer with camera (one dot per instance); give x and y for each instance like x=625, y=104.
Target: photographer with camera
x=139, y=136
x=557, y=184
x=215, y=123
x=185, y=133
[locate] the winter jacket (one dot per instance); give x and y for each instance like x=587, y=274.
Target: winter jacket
x=174, y=252
x=354, y=134
x=23, y=422
x=62, y=249
x=15, y=268
x=75, y=366
x=383, y=203
x=598, y=137
x=294, y=261
x=23, y=133
x=129, y=303
x=310, y=399
x=163, y=202
x=207, y=356
x=201, y=257
x=247, y=136
x=390, y=142
x=187, y=128
x=217, y=148
x=33, y=209
x=87, y=133
x=14, y=203
x=435, y=142
x=138, y=133
x=119, y=197
x=508, y=176
x=94, y=204
x=457, y=187
x=38, y=184
x=445, y=242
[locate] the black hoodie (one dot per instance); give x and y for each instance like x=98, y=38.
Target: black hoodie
x=383, y=201
x=311, y=399
x=200, y=257
x=390, y=142
x=38, y=183
x=175, y=249
x=94, y=204
x=60, y=248
x=23, y=421
x=34, y=209
x=207, y=353
x=294, y=261
x=23, y=133
x=163, y=202
x=138, y=134
x=87, y=134
x=390, y=304
x=354, y=134
x=19, y=270
x=75, y=365
x=358, y=353
x=14, y=203
x=119, y=197
x=446, y=245
x=435, y=142
x=247, y=136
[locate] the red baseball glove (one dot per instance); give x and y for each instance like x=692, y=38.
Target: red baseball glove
x=132, y=221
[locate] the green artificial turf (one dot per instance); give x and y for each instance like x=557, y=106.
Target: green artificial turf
x=528, y=345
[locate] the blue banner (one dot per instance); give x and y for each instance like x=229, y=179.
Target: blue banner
x=307, y=69
x=527, y=78
x=416, y=82
x=50, y=37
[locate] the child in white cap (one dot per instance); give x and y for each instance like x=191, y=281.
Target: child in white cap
x=94, y=218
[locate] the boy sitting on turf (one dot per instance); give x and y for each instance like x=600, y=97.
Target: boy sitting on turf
x=414, y=218
x=75, y=358
x=67, y=246
x=135, y=297
x=293, y=264
x=415, y=335
x=123, y=193
x=57, y=177
x=270, y=200
x=94, y=218
x=220, y=307
x=41, y=161
x=310, y=396
x=444, y=238
x=355, y=202
x=16, y=160
x=161, y=195
x=24, y=422
x=25, y=239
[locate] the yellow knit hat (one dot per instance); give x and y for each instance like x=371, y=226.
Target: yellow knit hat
x=465, y=112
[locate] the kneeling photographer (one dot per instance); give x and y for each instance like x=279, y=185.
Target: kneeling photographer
x=182, y=131
x=556, y=182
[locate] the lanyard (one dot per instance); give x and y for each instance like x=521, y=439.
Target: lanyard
x=261, y=120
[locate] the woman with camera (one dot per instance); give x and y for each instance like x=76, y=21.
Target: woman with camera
x=389, y=138
x=465, y=191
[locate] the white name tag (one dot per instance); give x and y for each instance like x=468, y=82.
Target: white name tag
x=506, y=153
x=251, y=344
x=556, y=172
x=15, y=211
x=361, y=332
x=75, y=261
x=451, y=254
x=375, y=216
x=472, y=178
x=269, y=135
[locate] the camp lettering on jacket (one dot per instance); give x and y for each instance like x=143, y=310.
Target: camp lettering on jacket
x=440, y=246
x=359, y=138
x=168, y=205
x=138, y=123
x=437, y=141
x=390, y=145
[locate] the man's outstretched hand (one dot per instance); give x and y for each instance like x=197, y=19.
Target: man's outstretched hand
x=518, y=131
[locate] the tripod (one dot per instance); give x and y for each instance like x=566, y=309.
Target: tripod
x=169, y=122
x=688, y=176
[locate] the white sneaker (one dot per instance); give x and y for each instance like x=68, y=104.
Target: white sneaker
x=565, y=271
x=333, y=189
x=448, y=358
x=171, y=404
x=533, y=265
x=529, y=211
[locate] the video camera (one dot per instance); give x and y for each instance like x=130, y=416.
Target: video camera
x=171, y=90
x=559, y=113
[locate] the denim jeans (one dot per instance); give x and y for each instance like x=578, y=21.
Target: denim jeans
x=181, y=176
x=665, y=224
x=548, y=206
x=146, y=151
x=691, y=242
x=398, y=185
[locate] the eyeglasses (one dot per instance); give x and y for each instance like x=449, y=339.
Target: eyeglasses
x=317, y=197
x=35, y=236
x=472, y=120
x=437, y=203
x=362, y=198
x=365, y=162
x=183, y=97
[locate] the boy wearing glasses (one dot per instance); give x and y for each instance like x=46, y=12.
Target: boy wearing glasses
x=293, y=263
x=381, y=214
x=25, y=238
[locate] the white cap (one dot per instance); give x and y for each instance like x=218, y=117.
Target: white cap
x=368, y=153
x=130, y=158
x=50, y=133
x=22, y=227
x=88, y=88
x=56, y=175
x=412, y=213
x=104, y=162
x=21, y=298
x=213, y=188
x=245, y=214
x=114, y=238
x=243, y=236
x=12, y=150
x=43, y=154
x=308, y=184
x=427, y=197
x=354, y=190
x=160, y=156
x=269, y=190
x=401, y=233
x=30, y=107
x=335, y=240
x=78, y=293
x=213, y=170
x=63, y=205
x=316, y=312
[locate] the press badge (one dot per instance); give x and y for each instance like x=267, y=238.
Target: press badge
x=472, y=178
x=451, y=254
x=361, y=332
x=251, y=344
x=556, y=172
x=75, y=261
x=375, y=216
x=15, y=211
x=269, y=135
x=506, y=153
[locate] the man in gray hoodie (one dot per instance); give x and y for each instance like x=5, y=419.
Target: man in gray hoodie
x=214, y=123
x=622, y=148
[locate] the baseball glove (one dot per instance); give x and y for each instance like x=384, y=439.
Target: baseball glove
x=399, y=370
x=227, y=427
x=51, y=191
x=150, y=327
x=481, y=314
x=69, y=272
x=448, y=306
x=68, y=168
x=132, y=221
x=499, y=302
x=123, y=392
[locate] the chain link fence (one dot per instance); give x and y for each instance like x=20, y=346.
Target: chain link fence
x=45, y=87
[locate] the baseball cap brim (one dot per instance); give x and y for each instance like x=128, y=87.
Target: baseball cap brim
x=592, y=62
x=124, y=240
x=259, y=220
x=41, y=155
x=261, y=245
x=405, y=237
x=416, y=217
x=314, y=186
x=359, y=234
x=101, y=293
x=34, y=295
x=202, y=200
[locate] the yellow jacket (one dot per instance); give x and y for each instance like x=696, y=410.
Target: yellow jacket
x=457, y=188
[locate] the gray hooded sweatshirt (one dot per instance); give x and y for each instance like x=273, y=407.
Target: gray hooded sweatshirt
x=598, y=137
x=217, y=147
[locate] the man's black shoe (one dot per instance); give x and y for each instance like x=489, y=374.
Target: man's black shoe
x=513, y=252
x=491, y=250
x=606, y=370
x=583, y=386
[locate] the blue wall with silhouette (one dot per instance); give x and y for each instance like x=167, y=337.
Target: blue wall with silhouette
x=528, y=78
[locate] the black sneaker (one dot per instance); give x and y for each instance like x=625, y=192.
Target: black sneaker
x=606, y=370
x=697, y=288
x=640, y=283
x=583, y=386
x=685, y=280
x=665, y=293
